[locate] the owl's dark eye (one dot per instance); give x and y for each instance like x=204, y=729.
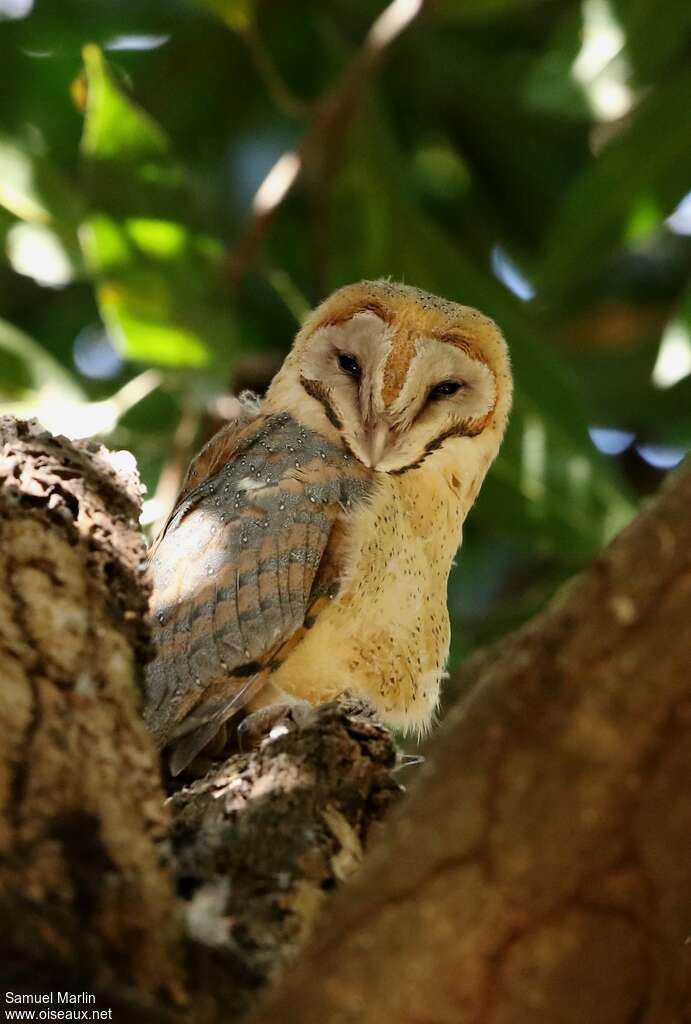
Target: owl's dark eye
x=446, y=388
x=349, y=365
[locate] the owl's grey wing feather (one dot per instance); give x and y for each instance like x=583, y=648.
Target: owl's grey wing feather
x=235, y=571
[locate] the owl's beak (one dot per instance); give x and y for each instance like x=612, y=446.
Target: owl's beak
x=378, y=440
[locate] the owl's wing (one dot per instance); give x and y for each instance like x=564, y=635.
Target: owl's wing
x=239, y=565
x=214, y=455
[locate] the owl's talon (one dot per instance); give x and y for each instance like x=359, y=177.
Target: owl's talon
x=272, y=721
x=358, y=706
x=407, y=760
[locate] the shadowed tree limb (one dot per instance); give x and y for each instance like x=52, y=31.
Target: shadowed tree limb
x=260, y=842
x=82, y=807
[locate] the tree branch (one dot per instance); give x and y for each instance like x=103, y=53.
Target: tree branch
x=259, y=843
x=329, y=123
x=81, y=803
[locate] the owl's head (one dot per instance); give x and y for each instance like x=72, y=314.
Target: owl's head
x=399, y=374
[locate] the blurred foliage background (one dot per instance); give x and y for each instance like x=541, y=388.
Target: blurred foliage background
x=180, y=181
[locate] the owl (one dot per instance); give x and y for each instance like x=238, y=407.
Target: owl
x=309, y=550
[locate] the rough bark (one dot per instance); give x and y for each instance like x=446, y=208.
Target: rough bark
x=540, y=872
x=259, y=843
x=80, y=878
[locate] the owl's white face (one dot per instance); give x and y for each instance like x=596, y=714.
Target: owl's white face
x=400, y=374
x=443, y=389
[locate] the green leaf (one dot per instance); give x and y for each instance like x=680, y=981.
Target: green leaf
x=114, y=126
x=653, y=40
x=238, y=15
x=157, y=286
x=135, y=322
x=550, y=87
x=157, y=281
x=25, y=366
x=130, y=167
x=652, y=152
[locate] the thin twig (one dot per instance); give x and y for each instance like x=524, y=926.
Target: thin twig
x=285, y=100
x=330, y=120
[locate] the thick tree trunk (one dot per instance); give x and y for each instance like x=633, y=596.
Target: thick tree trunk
x=539, y=871
x=82, y=807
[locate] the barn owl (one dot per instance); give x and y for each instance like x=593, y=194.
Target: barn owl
x=309, y=550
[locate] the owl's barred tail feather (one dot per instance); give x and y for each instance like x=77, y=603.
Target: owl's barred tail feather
x=198, y=729
x=185, y=750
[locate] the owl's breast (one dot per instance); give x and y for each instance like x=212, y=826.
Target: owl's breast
x=386, y=634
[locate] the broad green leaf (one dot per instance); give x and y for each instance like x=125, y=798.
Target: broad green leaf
x=114, y=126
x=655, y=36
x=130, y=167
x=550, y=86
x=439, y=171
x=157, y=285
x=652, y=152
x=160, y=239
x=25, y=366
x=238, y=15
x=143, y=331
x=157, y=281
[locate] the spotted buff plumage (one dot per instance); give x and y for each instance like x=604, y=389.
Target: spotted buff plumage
x=309, y=550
